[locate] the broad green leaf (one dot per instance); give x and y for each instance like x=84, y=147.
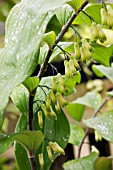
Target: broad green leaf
x=75, y=110
x=20, y=97
x=102, y=54
x=53, y=130
x=21, y=156
x=31, y=83
x=82, y=163
x=24, y=32
x=106, y=71
x=91, y=99
x=103, y=124
x=63, y=14
x=103, y=163
x=76, y=134
x=30, y=140
x=50, y=38
x=75, y=4
x=43, y=53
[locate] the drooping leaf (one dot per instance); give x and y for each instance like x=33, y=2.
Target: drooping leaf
x=31, y=140
x=31, y=83
x=106, y=71
x=63, y=14
x=103, y=124
x=76, y=134
x=75, y=110
x=103, y=163
x=24, y=31
x=91, y=99
x=20, y=97
x=82, y=163
x=50, y=38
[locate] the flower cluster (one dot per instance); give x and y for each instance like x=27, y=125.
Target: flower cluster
x=107, y=17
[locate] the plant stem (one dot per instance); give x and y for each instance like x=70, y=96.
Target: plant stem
x=30, y=112
x=32, y=163
x=87, y=130
x=61, y=34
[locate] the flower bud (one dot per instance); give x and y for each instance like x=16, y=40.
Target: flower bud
x=61, y=80
x=47, y=114
x=102, y=36
x=76, y=64
x=49, y=153
x=85, y=54
x=40, y=119
x=94, y=149
x=86, y=44
x=54, y=87
x=98, y=137
x=47, y=101
x=52, y=113
x=103, y=16
x=67, y=68
x=110, y=21
x=56, y=148
x=72, y=67
x=94, y=31
x=110, y=10
x=62, y=89
x=41, y=160
x=53, y=97
x=57, y=107
x=77, y=51
x=62, y=101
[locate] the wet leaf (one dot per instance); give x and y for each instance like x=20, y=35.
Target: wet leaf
x=24, y=31
x=103, y=124
x=76, y=134
x=82, y=163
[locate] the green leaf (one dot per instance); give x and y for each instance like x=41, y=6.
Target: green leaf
x=76, y=134
x=103, y=163
x=30, y=140
x=21, y=156
x=53, y=130
x=24, y=32
x=106, y=71
x=50, y=38
x=91, y=99
x=75, y=4
x=102, y=54
x=75, y=110
x=63, y=14
x=1, y=119
x=31, y=83
x=20, y=97
x=82, y=163
x=96, y=71
x=103, y=124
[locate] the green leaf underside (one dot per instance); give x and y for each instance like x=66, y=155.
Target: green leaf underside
x=106, y=71
x=75, y=111
x=103, y=124
x=50, y=38
x=24, y=31
x=103, y=163
x=75, y=4
x=19, y=97
x=85, y=163
x=30, y=140
x=53, y=130
x=76, y=134
x=91, y=99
